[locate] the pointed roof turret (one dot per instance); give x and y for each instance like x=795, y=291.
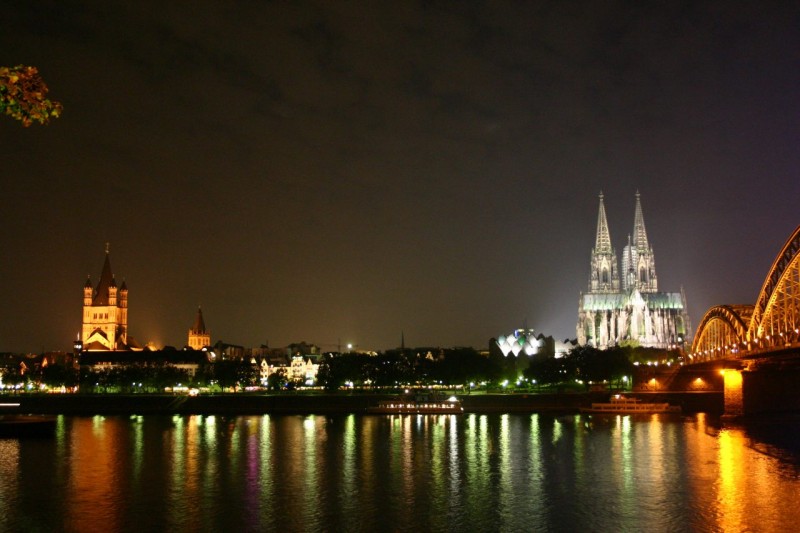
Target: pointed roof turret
x=199, y=324
x=639, y=232
x=603, y=241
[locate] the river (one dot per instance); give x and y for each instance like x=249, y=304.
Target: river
x=473, y=472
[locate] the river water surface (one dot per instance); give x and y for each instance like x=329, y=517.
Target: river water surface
x=473, y=472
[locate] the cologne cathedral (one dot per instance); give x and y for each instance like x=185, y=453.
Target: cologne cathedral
x=625, y=307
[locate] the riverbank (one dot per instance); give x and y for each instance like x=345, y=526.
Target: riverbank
x=336, y=403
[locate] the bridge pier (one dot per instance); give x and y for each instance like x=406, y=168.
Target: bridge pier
x=766, y=384
x=733, y=393
x=762, y=386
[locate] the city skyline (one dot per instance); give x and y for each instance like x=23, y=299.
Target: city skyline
x=345, y=173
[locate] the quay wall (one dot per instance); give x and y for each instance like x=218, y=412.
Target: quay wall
x=253, y=404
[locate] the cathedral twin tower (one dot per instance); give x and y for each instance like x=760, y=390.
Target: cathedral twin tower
x=625, y=307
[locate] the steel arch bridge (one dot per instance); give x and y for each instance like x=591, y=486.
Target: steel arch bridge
x=773, y=323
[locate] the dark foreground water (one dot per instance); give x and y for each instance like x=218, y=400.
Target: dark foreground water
x=413, y=473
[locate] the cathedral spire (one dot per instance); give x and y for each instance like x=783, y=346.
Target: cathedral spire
x=603, y=241
x=639, y=232
x=641, y=260
x=604, y=276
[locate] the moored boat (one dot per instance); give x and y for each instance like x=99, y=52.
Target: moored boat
x=622, y=405
x=418, y=406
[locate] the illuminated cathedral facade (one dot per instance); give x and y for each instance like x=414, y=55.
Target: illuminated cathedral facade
x=625, y=307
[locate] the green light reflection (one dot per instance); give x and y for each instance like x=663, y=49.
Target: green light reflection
x=627, y=488
x=266, y=471
x=581, y=469
x=349, y=446
x=138, y=447
x=506, y=498
x=454, y=461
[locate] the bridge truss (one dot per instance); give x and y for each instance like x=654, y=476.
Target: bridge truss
x=722, y=332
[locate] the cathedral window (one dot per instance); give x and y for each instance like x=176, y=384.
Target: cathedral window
x=642, y=275
x=604, y=276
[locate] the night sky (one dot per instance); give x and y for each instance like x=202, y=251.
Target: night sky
x=347, y=171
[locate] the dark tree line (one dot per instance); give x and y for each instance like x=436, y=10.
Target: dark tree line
x=393, y=368
x=421, y=366
x=584, y=363
x=147, y=377
x=133, y=378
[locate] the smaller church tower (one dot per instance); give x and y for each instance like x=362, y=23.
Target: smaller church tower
x=199, y=336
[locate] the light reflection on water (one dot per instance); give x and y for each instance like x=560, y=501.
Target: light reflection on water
x=9, y=482
x=360, y=473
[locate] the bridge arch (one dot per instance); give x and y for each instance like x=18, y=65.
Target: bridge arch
x=776, y=314
x=722, y=332
x=773, y=322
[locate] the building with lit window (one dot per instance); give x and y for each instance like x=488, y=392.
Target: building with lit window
x=625, y=306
